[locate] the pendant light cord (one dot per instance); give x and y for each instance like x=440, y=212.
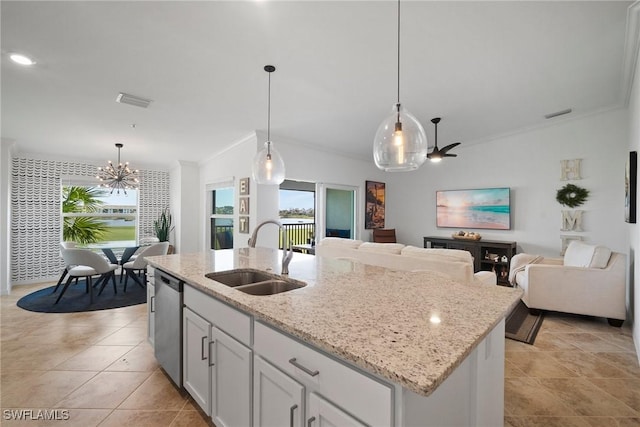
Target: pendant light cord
x=398, y=99
x=269, y=119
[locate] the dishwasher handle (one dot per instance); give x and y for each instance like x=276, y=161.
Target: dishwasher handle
x=172, y=282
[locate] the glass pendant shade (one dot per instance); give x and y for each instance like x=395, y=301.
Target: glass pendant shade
x=400, y=143
x=268, y=166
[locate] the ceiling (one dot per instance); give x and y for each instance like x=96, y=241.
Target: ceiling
x=487, y=68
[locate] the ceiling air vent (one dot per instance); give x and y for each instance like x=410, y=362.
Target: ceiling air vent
x=125, y=98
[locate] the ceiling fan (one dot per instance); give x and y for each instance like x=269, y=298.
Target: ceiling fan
x=438, y=153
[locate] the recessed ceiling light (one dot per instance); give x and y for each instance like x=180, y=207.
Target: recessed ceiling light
x=21, y=59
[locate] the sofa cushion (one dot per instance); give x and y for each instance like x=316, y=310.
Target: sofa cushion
x=441, y=254
x=341, y=242
x=382, y=248
x=579, y=254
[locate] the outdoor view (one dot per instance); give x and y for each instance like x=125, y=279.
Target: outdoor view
x=222, y=218
x=92, y=216
x=297, y=214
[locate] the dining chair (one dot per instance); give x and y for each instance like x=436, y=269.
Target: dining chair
x=381, y=235
x=139, y=265
x=64, y=245
x=86, y=263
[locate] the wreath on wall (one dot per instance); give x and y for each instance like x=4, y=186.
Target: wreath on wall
x=572, y=195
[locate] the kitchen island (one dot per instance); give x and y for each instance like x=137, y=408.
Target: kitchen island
x=431, y=348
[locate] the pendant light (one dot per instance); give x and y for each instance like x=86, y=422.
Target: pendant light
x=268, y=167
x=400, y=143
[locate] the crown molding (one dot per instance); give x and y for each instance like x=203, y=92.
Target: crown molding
x=631, y=46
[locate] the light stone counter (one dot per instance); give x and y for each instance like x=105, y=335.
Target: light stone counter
x=375, y=318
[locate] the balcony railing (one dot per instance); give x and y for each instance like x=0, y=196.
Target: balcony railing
x=299, y=234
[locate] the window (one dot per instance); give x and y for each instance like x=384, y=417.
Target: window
x=91, y=215
x=221, y=217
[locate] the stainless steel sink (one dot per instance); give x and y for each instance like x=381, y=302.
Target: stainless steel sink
x=255, y=282
x=271, y=287
x=241, y=277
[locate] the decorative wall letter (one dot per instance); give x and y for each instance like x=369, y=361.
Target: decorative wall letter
x=571, y=221
x=243, y=206
x=244, y=224
x=570, y=169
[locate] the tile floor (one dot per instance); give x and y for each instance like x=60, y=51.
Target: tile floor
x=99, y=367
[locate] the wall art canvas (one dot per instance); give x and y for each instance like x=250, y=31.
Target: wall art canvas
x=374, y=204
x=630, y=185
x=488, y=208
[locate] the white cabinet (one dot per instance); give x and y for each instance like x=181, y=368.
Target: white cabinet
x=151, y=310
x=217, y=366
x=351, y=395
x=277, y=398
x=321, y=413
x=230, y=381
x=196, y=379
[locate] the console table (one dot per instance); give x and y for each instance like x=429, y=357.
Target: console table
x=484, y=252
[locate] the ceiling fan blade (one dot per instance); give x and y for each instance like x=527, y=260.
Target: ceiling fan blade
x=449, y=147
x=434, y=153
x=449, y=155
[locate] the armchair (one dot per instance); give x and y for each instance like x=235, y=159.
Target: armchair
x=589, y=280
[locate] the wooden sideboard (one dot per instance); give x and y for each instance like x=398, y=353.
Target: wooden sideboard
x=484, y=254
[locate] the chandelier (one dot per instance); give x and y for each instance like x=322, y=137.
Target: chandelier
x=118, y=178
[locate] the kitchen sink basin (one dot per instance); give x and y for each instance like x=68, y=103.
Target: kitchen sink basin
x=255, y=282
x=271, y=287
x=241, y=277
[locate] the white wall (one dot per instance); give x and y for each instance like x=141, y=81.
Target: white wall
x=5, y=215
x=529, y=163
x=185, y=196
x=632, y=229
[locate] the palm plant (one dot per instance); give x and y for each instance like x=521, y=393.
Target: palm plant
x=162, y=226
x=82, y=229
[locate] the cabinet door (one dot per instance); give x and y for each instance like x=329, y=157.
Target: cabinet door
x=277, y=398
x=230, y=381
x=151, y=312
x=195, y=350
x=322, y=413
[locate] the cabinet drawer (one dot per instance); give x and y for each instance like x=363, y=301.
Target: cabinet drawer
x=365, y=398
x=226, y=318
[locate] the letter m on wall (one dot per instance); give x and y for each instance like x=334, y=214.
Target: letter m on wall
x=571, y=221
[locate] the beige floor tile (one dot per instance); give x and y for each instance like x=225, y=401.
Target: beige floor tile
x=511, y=371
x=192, y=419
x=626, y=390
x=553, y=342
x=125, y=336
x=586, y=399
x=140, y=358
x=94, y=358
x=512, y=346
x=44, y=390
x=510, y=421
x=619, y=339
x=157, y=392
x=525, y=396
x=627, y=362
x=588, y=364
x=139, y=418
x=38, y=357
x=540, y=365
x=628, y=422
x=105, y=390
x=590, y=342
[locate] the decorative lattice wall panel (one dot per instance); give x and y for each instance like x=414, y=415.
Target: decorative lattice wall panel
x=36, y=222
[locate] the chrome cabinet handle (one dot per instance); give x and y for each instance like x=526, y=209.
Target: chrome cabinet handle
x=311, y=420
x=202, y=348
x=211, y=358
x=305, y=370
x=293, y=408
x=153, y=307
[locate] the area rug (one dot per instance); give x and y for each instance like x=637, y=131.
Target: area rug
x=521, y=325
x=75, y=299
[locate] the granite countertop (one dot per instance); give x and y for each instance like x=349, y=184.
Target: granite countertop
x=381, y=320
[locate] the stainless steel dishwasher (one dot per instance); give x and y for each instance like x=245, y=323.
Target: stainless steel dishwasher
x=168, y=324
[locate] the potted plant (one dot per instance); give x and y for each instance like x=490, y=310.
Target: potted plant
x=162, y=227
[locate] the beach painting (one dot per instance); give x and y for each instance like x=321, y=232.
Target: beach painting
x=487, y=208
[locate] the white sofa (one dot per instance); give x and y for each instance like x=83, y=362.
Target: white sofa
x=589, y=280
x=456, y=264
